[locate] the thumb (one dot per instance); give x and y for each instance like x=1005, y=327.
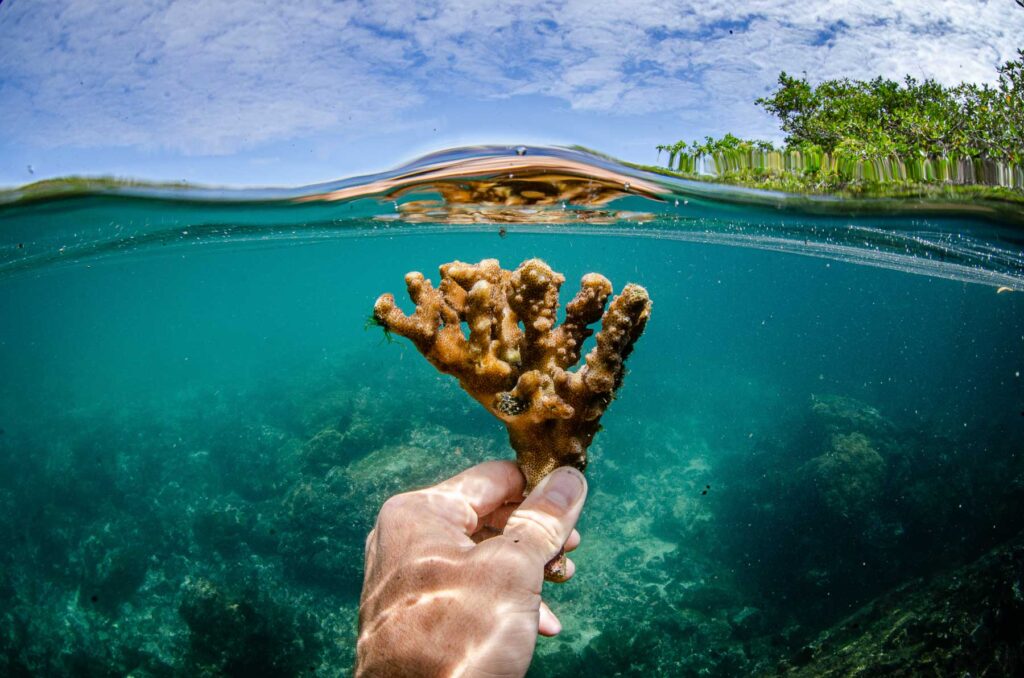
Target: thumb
x=545, y=519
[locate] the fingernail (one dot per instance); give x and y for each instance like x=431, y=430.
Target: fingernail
x=564, y=487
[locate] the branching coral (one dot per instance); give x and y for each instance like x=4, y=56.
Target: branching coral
x=515, y=361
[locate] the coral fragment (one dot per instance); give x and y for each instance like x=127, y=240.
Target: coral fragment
x=514, y=360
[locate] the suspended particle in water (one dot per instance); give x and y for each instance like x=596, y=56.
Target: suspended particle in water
x=520, y=150
x=677, y=203
x=625, y=186
x=502, y=232
x=705, y=490
x=94, y=598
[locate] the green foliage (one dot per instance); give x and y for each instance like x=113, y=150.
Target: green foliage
x=79, y=185
x=993, y=117
x=730, y=143
x=674, y=150
x=881, y=117
x=858, y=135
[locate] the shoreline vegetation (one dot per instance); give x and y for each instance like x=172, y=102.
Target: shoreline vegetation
x=75, y=184
x=856, y=139
x=875, y=138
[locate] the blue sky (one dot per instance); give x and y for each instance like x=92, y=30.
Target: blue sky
x=249, y=92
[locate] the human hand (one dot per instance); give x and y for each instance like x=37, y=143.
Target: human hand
x=454, y=573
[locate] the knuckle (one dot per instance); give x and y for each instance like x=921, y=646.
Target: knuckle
x=503, y=561
x=397, y=509
x=540, y=527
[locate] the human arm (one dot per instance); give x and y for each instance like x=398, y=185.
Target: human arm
x=440, y=597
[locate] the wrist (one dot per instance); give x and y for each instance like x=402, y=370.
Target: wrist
x=381, y=654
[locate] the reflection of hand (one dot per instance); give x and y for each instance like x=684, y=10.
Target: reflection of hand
x=454, y=573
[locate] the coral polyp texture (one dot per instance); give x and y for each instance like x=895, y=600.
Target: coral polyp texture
x=515, y=361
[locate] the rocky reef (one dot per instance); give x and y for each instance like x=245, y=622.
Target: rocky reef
x=968, y=621
x=848, y=476
x=221, y=532
x=846, y=504
x=207, y=535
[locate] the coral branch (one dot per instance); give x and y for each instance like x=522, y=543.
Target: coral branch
x=514, y=361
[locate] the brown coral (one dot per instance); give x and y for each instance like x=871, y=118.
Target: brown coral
x=515, y=362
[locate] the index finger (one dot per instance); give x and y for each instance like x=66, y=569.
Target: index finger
x=485, y=488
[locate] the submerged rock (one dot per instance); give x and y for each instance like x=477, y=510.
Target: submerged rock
x=246, y=633
x=747, y=622
x=842, y=414
x=324, y=450
x=848, y=477
x=968, y=622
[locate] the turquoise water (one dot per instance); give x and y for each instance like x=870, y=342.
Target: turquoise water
x=197, y=429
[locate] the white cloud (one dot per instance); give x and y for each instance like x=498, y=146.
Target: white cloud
x=200, y=76
x=196, y=76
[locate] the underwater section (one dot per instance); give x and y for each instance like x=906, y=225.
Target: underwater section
x=814, y=464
